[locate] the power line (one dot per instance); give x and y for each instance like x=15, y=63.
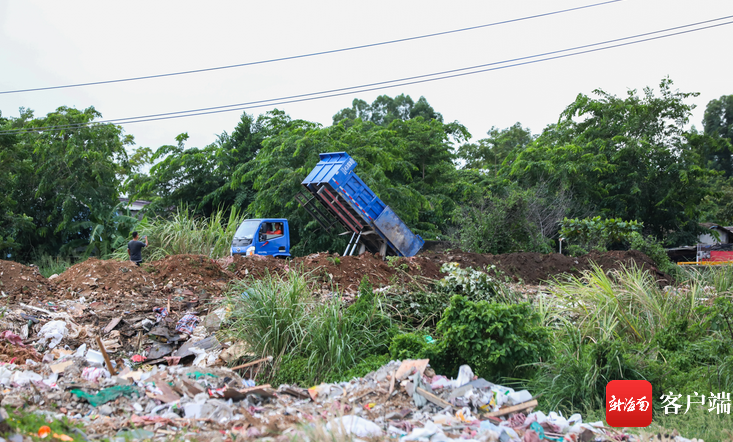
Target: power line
x=313, y=54
x=381, y=85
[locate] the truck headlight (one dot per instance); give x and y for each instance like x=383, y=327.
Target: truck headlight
x=250, y=250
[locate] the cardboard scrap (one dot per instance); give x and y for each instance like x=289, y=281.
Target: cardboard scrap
x=433, y=398
x=61, y=366
x=411, y=365
x=208, y=344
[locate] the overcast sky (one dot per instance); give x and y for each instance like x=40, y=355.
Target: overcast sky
x=45, y=43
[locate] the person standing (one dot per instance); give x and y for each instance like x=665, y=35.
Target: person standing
x=135, y=248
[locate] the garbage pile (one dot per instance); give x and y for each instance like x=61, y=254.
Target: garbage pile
x=403, y=400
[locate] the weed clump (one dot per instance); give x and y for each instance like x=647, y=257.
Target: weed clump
x=311, y=340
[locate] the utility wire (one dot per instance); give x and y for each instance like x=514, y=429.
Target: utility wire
x=377, y=86
x=313, y=54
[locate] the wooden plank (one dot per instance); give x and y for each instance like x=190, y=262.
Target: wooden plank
x=260, y=390
x=514, y=408
x=432, y=398
x=106, y=357
x=112, y=324
x=249, y=364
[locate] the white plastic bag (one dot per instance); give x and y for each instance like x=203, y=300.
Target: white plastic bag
x=55, y=331
x=358, y=426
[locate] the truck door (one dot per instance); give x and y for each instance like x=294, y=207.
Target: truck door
x=271, y=238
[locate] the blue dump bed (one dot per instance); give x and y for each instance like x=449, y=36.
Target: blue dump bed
x=345, y=196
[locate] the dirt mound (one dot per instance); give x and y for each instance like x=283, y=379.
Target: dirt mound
x=331, y=269
x=197, y=273
x=17, y=280
x=534, y=268
x=94, y=275
x=256, y=266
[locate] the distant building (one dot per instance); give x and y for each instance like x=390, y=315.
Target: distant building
x=135, y=206
x=725, y=234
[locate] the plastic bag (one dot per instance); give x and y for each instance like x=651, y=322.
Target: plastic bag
x=55, y=331
x=355, y=425
x=94, y=374
x=106, y=395
x=465, y=375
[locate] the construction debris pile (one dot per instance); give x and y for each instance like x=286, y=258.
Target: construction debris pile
x=130, y=399
x=132, y=352
x=402, y=400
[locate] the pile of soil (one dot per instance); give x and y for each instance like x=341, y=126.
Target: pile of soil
x=196, y=273
x=527, y=267
x=534, y=268
x=95, y=275
x=331, y=269
x=17, y=280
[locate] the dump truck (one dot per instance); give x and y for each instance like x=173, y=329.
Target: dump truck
x=336, y=196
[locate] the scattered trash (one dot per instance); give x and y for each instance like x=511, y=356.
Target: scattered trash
x=187, y=324
x=44, y=431
x=107, y=394
x=54, y=331
x=12, y=338
x=355, y=425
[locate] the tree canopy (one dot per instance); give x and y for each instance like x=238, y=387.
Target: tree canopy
x=629, y=158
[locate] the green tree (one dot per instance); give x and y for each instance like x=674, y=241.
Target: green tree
x=202, y=178
x=718, y=124
x=625, y=158
x=385, y=109
x=65, y=176
x=14, y=165
x=489, y=153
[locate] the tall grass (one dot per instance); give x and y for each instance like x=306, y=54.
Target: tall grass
x=717, y=279
x=282, y=317
x=623, y=304
x=271, y=314
x=187, y=233
x=52, y=265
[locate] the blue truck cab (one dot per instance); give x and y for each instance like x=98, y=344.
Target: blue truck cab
x=262, y=236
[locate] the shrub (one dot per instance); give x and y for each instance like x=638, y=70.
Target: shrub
x=407, y=346
x=311, y=341
x=653, y=249
x=495, y=339
x=597, y=233
x=477, y=285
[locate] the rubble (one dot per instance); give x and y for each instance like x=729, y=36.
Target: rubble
x=132, y=352
x=402, y=400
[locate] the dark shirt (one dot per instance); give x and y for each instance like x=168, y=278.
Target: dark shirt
x=136, y=250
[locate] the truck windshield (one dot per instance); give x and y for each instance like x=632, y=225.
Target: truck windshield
x=247, y=229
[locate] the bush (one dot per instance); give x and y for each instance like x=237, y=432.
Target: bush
x=497, y=340
x=475, y=284
x=407, y=346
x=501, y=223
x=653, y=249
x=597, y=233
